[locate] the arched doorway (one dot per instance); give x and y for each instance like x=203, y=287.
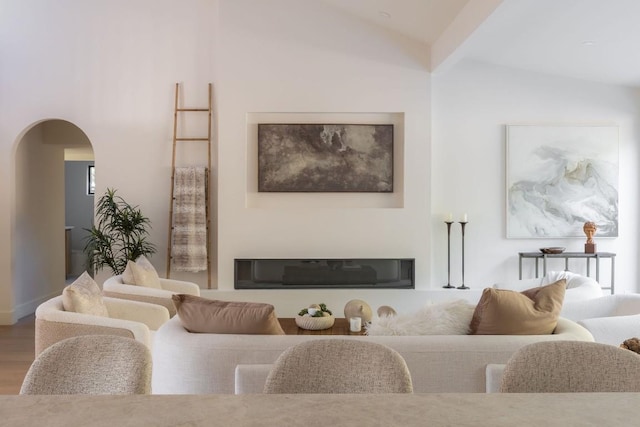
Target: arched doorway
x=39, y=226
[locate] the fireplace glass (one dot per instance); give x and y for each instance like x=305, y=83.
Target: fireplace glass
x=371, y=273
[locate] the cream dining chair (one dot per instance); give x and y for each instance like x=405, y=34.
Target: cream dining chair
x=571, y=366
x=91, y=364
x=339, y=366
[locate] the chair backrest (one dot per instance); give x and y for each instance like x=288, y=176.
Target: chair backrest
x=91, y=364
x=339, y=366
x=571, y=366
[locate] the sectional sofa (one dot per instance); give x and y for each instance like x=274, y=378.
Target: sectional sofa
x=204, y=363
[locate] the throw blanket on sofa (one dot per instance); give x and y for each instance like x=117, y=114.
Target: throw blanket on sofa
x=189, y=228
x=445, y=318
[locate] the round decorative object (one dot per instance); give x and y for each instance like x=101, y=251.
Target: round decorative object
x=315, y=323
x=552, y=250
x=385, y=310
x=358, y=308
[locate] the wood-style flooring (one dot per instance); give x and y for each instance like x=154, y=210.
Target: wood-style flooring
x=17, y=349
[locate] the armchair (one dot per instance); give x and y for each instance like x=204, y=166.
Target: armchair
x=133, y=319
x=115, y=287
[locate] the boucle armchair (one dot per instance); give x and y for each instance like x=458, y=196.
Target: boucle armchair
x=116, y=288
x=132, y=319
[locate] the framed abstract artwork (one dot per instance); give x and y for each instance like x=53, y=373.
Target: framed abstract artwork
x=558, y=178
x=325, y=158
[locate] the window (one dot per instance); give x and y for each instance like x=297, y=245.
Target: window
x=91, y=180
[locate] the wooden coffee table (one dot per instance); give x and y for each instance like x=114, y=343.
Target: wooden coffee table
x=340, y=327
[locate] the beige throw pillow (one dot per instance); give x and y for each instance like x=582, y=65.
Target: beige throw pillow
x=141, y=273
x=531, y=312
x=199, y=314
x=84, y=296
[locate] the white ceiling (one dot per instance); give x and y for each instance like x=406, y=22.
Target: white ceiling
x=597, y=40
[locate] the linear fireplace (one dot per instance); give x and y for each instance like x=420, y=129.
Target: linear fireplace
x=334, y=273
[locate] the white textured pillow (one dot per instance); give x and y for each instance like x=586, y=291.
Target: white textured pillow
x=445, y=318
x=141, y=273
x=84, y=296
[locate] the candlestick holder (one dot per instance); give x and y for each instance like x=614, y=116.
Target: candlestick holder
x=463, y=224
x=448, y=286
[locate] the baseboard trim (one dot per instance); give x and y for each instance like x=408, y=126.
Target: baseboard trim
x=26, y=308
x=8, y=317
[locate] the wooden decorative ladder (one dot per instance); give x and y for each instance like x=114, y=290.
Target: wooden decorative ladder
x=177, y=139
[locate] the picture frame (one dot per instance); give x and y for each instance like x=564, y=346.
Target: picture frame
x=294, y=157
x=558, y=178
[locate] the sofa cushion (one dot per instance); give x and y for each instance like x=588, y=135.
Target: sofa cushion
x=531, y=312
x=84, y=296
x=199, y=314
x=141, y=273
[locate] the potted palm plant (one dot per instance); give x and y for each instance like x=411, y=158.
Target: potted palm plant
x=119, y=234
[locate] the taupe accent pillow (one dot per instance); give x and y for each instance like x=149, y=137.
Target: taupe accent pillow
x=199, y=314
x=84, y=296
x=141, y=273
x=531, y=312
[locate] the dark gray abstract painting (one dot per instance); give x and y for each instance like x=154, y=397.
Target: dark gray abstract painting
x=325, y=158
x=559, y=177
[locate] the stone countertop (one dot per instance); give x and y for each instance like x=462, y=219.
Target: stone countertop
x=473, y=409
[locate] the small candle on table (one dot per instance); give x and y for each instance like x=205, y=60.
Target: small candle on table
x=355, y=324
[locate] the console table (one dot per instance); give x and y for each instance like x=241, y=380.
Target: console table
x=340, y=327
x=568, y=255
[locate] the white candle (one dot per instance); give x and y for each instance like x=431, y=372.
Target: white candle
x=450, y=217
x=464, y=218
x=355, y=324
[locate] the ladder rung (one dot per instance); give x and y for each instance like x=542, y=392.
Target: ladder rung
x=192, y=139
x=192, y=109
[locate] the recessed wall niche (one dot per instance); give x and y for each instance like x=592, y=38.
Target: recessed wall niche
x=318, y=200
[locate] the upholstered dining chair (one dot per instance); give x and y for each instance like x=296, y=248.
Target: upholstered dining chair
x=571, y=366
x=339, y=366
x=91, y=364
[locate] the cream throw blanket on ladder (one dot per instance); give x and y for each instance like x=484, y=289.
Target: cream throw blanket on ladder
x=189, y=228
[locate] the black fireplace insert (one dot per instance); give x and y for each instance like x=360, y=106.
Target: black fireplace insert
x=335, y=273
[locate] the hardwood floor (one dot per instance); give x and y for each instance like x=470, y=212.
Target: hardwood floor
x=17, y=349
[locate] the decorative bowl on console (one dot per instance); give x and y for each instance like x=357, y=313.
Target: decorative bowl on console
x=315, y=317
x=552, y=250
x=315, y=323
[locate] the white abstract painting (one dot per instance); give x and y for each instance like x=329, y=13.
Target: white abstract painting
x=558, y=178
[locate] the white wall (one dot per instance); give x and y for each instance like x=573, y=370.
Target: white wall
x=472, y=103
x=304, y=60
x=38, y=248
x=108, y=67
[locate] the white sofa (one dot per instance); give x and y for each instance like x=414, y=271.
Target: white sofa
x=611, y=319
x=579, y=287
x=188, y=363
x=114, y=287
